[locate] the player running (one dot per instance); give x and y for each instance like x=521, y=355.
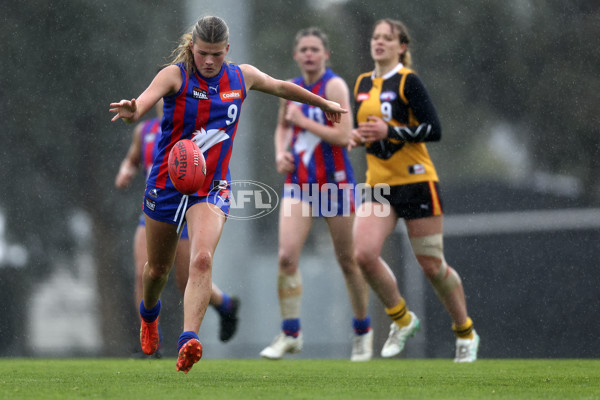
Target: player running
x=395, y=117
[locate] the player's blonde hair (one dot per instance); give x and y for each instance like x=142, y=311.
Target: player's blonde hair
x=403, y=36
x=209, y=29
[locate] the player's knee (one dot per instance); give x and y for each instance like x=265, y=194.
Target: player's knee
x=365, y=257
x=347, y=262
x=431, y=266
x=158, y=271
x=445, y=281
x=429, y=251
x=201, y=261
x=288, y=264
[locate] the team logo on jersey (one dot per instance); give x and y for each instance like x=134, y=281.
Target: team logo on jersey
x=362, y=96
x=205, y=139
x=150, y=204
x=219, y=185
x=199, y=94
x=153, y=193
x=416, y=169
x=305, y=144
x=388, y=96
x=231, y=95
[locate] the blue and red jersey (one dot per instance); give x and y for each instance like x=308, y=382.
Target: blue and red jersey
x=317, y=161
x=149, y=131
x=205, y=110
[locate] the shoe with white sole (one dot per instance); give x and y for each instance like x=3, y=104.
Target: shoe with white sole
x=466, y=349
x=397, y=337
x=281, y=345
x=362, y=347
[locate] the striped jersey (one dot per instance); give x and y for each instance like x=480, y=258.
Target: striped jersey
x=150, y=129
x=317, y=161
x=205, y=110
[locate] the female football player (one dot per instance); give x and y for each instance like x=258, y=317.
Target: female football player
x=395, y=117
x=203, y=96
x=140, y=156
x=311, y=151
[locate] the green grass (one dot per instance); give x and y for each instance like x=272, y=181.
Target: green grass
x=299, y=379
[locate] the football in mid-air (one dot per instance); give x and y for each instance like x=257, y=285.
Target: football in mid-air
x=187, y=168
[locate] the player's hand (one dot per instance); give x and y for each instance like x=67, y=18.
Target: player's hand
x=373, y=130
x=355, y=140
x=125, y=176
x=125, y=109
x=333, y=111
x=293, y=114
x=285, y=162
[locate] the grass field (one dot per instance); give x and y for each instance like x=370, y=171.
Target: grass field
x=299, y=379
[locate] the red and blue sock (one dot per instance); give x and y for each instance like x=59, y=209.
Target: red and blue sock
x=291, y=327
x=151, y=314
x=361, y=326
x=185, y=337
x=225, y=307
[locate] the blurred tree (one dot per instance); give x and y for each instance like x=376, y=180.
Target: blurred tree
x=531, y=65
x=528, y=64
x=62, y=64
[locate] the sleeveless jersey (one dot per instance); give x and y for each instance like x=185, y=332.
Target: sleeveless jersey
x=391, y=161
x=149, y=131
x=317, y=161
x=205, y=110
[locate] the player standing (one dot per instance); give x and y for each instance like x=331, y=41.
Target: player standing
x=311, y=151
x=395, y=118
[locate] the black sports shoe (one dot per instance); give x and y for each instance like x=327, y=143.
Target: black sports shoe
x=229, y=321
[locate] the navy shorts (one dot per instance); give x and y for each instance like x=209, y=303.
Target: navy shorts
x=170, y=206
x=184, y=232
x=328, y=200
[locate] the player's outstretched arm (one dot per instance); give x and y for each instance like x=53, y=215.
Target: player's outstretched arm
x=165, y=83
x=258, y=80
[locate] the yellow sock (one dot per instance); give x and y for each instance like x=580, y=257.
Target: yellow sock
x=399, y=313
x=464, y=331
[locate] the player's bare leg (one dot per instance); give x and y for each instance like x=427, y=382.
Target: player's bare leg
x=374, y=223
x=340, y=228
x=205, y=225
x=161, y=241
x=295, y=222
x=427, y=242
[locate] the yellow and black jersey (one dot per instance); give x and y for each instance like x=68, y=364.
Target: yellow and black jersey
x=400, y=99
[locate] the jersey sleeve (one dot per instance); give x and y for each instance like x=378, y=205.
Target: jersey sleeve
x=429, y=128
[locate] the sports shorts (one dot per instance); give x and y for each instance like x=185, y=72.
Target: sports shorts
x=411, y=201
x=170, y=206
x=328, y=200
x=184, y=232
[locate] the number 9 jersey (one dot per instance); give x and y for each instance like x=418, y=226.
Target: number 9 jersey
x=400, y=99
x=206, y=111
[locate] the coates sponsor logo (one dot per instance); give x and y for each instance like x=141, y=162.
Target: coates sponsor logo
x=387, y=96
x=249, y=199
x=231, y=95
x=362, y=96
